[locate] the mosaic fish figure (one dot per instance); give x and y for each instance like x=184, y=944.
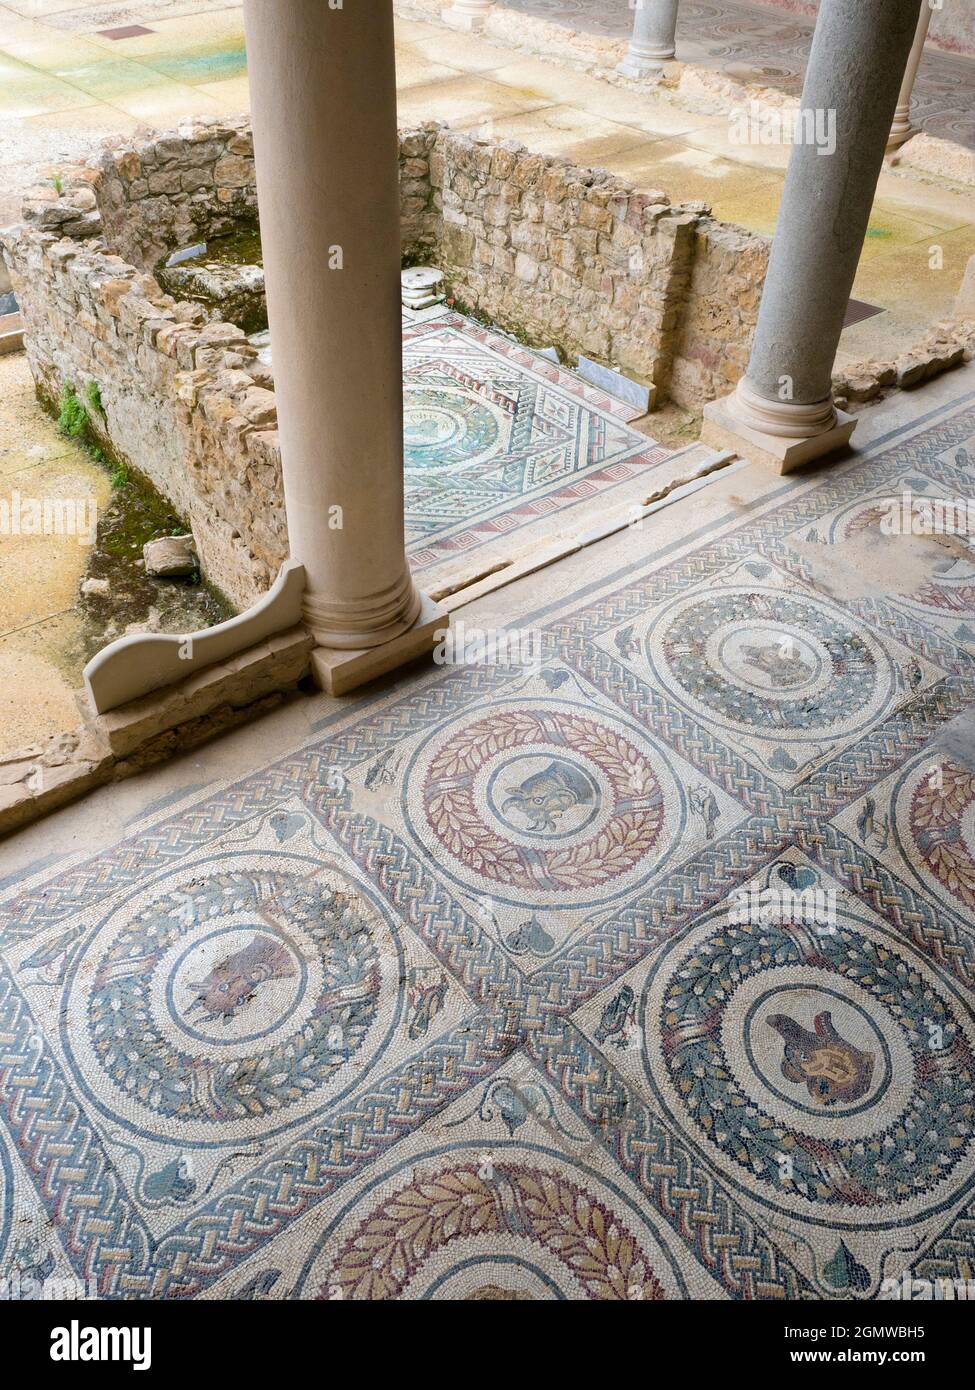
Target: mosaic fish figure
x=235, y=980
x=615, y=1017
x=544, y=797
x=784, y=669
x=831, y=1068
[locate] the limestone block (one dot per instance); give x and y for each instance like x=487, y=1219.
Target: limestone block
x=233, y=171
x=171, y=557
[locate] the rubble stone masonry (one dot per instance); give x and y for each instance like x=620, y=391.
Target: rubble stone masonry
x=558, y=254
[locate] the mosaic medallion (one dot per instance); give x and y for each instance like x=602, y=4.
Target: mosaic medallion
x=234, y=1000
x=933, y=820
x=946, y=566
x=515, y=1228
x=497, y=437
x=826, y=1070
x=764, y=661
x=443, y=428
x=544, y=803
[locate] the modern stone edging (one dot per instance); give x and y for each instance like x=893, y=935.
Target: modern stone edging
x=561, y=254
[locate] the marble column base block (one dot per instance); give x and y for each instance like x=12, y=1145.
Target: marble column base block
x=337, y=672
x=725, y=427
x=423, y=286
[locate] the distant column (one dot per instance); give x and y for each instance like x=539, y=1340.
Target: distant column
x=902, y=129
x=783, y=409
x=467, y=14
x=654, y=37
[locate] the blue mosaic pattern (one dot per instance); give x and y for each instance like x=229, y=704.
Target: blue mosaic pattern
x=497, y=436
x=457, y=1001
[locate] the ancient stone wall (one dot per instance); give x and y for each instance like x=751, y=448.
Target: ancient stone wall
x=561, y=255
x=581, y=260
x=715, y=328
x=184, y=401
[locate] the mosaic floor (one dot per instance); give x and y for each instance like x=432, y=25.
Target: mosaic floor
x=498, y=437
x=496, y=990
x=770, y=46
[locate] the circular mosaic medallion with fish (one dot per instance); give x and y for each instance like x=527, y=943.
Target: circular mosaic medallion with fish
x=759, y=660
x=245, y=993
x=821, y=1069
x=933, y=824
x=543, y=803
x=525, y=1226
x=448, y=427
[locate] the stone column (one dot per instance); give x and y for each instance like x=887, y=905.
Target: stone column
x=902, y=129
x=467, y=14
x=783, y=411
x=323, y=97
x=654, y=37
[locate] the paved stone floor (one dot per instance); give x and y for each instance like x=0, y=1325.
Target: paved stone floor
x=64, y=81
x=461, y=990
x=41, y=628
x=769, y=46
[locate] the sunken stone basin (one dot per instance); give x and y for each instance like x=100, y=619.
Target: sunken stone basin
x=170, y=346
x=225, y=275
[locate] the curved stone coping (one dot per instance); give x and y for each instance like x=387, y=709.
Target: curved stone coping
x=137, y=665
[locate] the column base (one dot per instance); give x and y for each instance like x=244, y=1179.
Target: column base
x=723, y=429
x=467, y=21
x=900, y=134
x=337, y=672
x=639, y=65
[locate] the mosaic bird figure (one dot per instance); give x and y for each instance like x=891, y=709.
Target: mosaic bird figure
x=617, y=1014
x=553, y=679
x=705, y=803
x=866, y=820
x=428, y=1002
x=625, y=644
x=260, y=1286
